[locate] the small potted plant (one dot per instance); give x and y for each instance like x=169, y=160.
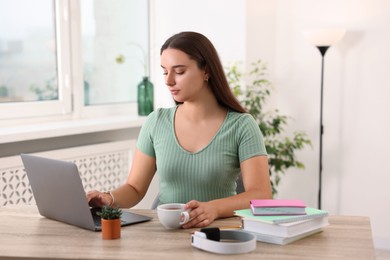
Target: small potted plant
x=111, y=222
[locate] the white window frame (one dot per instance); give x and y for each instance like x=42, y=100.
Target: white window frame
x=62, y=106
x=80, y=110
x=70, y=104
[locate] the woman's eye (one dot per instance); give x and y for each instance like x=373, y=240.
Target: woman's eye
x=176, y=72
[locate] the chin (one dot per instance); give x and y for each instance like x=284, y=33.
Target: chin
x=178, y=100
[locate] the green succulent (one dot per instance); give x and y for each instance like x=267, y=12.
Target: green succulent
x=108, y=212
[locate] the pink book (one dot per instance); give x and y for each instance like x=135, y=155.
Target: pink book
x=278, y=203
x=277, y=207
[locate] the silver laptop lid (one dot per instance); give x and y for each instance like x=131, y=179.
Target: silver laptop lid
x=59, y=193
x=58, y=190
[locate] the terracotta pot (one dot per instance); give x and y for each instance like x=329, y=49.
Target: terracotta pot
x=111, y=228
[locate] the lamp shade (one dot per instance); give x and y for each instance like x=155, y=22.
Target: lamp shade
x=324, y=37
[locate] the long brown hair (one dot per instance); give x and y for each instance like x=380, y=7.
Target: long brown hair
x=200, y=49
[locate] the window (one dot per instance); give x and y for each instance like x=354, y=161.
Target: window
x=114, y=58
x=71, y=58
x=28, y=58
x=32, y=68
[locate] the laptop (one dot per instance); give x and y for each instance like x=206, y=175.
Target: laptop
x=59, y=194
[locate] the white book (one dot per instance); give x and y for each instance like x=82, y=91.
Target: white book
x=286, y=230
x=282, y=240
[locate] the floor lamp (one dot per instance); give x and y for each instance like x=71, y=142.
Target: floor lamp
x=323, y=39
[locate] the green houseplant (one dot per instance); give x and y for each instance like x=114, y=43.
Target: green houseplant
x=253, y=95
x=111, y=222
x=47, y=92
x=110, y=213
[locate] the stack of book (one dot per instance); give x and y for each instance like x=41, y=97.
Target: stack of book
x=280, y=222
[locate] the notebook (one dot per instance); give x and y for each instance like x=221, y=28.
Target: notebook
x=310, y=214
x=277, y=207
x=59, y=194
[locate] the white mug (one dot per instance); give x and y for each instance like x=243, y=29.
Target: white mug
x=172, y=215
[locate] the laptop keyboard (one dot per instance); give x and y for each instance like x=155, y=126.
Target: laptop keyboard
x=96, y=217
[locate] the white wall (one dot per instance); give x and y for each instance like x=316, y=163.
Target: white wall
x=355, y=171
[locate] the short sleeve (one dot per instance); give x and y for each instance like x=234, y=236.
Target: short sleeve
x=145, y=137
x=251, y=139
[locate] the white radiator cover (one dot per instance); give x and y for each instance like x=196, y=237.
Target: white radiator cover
x=102, y=166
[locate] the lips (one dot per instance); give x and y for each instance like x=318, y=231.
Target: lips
x=174, y=92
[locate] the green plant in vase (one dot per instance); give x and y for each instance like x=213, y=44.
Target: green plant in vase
x=111, y=222
x=145, y=89
x=108, y=212
x=253, y=95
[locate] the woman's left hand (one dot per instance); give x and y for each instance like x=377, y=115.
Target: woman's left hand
x=201, y=214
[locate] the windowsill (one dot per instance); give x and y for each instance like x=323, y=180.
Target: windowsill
x=34, y=131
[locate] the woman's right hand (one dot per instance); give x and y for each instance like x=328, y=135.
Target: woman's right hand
x=98, y=199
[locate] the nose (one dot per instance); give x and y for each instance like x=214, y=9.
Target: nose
x=169, y=80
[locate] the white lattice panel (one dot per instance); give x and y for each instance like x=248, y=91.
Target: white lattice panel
x=103, y=167
x=15, y=188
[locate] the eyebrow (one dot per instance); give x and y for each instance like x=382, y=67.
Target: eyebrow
x=175, y=66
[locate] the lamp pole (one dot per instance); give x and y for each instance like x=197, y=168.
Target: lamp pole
x=322, y=50
x=322, y=39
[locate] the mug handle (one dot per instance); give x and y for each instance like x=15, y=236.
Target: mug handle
x=186, y=217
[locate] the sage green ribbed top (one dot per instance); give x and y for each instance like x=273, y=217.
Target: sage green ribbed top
x=208, y=174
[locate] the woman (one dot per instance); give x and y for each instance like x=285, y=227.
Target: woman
x=198, y=147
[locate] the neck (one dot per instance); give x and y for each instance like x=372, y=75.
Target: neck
x=201, y=109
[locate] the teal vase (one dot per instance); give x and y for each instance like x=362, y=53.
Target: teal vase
x=86, y=93
x=145, y=97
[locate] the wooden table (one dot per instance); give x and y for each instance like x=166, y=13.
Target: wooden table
x=24, y=234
